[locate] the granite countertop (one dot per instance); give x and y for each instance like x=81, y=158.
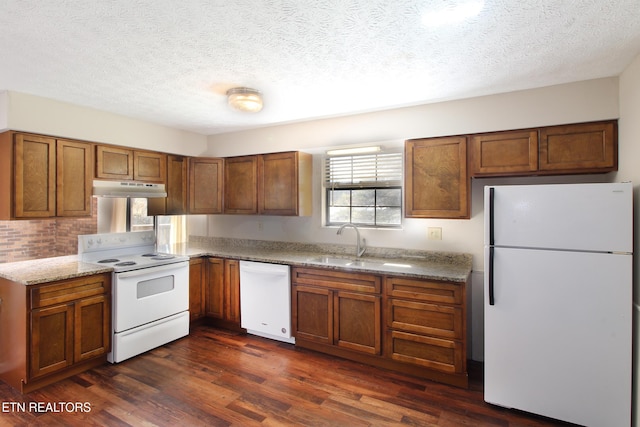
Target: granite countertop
x=44, y=270
x=447, y=266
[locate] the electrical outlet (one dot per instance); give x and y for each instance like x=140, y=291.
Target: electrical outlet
x=260, y=226
x=434, y=233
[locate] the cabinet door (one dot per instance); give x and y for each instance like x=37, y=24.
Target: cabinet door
x=51, y=339
x=114, y=163
x=232, y=290
x=587, y=147
x=205, y=185
x=357, y=322
x=75, y=175
x=312, y=313
x=278, y=184
x=149, y=166
x=177, y=185
x=436, y=181
x=214, y=292
x=92, y=328
x=241, y=185
x=197, y=280
x=35, y=176
x=504, y=153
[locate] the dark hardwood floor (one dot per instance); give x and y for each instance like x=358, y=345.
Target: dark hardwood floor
x=219, y=378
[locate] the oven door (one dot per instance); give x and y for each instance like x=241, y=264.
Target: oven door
x=149, y=294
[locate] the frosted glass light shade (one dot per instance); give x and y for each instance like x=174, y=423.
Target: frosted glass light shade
x=245, y=99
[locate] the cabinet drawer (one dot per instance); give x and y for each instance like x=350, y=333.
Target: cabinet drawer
x=434, y=353
x=70, y=290
x=430, y=319
x=357, y=282
x=424, y=290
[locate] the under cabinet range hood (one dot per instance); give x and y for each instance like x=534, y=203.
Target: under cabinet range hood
x=128, y=189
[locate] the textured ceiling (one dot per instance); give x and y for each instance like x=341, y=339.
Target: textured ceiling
x=170, y=62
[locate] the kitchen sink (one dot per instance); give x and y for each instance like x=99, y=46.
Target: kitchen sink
x=343, y=261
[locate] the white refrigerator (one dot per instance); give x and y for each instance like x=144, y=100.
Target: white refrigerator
x=558, y=301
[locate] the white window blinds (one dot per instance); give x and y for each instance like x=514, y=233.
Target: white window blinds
x=364, y=170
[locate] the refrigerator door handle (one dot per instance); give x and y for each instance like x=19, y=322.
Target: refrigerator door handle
x=491, y=295
x=491, y=218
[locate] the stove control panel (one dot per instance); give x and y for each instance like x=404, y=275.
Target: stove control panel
x=107, y=241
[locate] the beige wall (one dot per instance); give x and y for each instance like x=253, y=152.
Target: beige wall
x=48, y=117
x=4, y=101
x=570, y=103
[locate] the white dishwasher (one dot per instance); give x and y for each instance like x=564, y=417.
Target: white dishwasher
x=265, y=300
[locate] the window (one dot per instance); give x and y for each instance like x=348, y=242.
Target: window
x=138, y=219
x=364, y=189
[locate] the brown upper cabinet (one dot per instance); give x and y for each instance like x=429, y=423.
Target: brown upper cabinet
x=284, y=184
x=268, y=184
x=44, y=177
x=585, y=147
x=436, y=180
x=114, y=163
x=504, y=152
x=205, y=185
x=176, y=202
x=177, y=185
x=241, y=185
x=74, y=178
x=194, y=186
x=124, y=164
x=553, y=150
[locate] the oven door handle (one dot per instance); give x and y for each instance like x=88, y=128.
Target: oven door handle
x=153, y=270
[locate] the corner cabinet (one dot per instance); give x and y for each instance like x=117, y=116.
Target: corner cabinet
x=436, y=181
x=43, y=177
x=58, y=329
x=177, y=187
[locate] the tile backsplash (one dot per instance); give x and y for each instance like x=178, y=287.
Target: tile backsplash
x=22, y=240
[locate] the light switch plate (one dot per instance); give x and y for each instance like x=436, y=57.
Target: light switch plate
x=434, y=233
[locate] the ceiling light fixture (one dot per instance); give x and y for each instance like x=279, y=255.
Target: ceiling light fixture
x=245, y=99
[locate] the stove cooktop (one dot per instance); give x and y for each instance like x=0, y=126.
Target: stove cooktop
x=124, y=251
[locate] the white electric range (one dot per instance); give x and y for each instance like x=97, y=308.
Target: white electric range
x=150, y=290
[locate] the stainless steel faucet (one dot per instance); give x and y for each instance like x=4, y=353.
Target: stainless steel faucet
x=360, y=248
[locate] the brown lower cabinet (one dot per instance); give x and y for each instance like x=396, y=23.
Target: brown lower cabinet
x=338, y=309
x=426, y=324
x=222, y=292
x=409, y=325
x=57, y=329
x=197, y=282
